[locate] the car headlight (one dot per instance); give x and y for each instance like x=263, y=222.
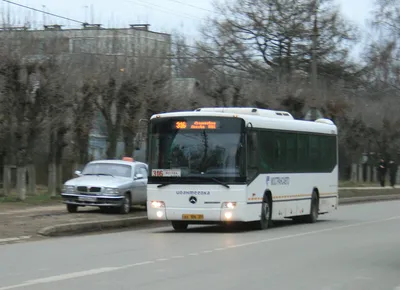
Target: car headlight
x=69, y=189
x=111, y=191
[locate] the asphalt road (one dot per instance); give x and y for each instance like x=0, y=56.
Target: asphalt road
x=358, y=247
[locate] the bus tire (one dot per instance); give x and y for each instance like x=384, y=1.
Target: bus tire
x=179, y=226
x=266, y=214
x=314, y=209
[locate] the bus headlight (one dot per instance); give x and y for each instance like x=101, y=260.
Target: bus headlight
x=230, y=205
x=157, y=204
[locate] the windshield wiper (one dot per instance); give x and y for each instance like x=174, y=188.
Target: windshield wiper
x=106, y=174
x=169, y=183
x=215, y=180
x=200, y=177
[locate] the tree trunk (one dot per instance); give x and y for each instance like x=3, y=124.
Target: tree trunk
x=52, y=167
x=32, y=136
x=7, y=186
x=60, y=145
x=21, y=182
x=9, y=160
x=113, y=135
x=21, y=162
x=59, y=171
x=83, y=147
x=128, y=142
x=52, y=183
x=31, y=179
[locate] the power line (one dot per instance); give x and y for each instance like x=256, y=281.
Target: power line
x=190, y=5
x=162, y=9
x=42, y=11
x=81, y=22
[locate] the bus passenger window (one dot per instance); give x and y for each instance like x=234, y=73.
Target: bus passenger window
x=252, y=162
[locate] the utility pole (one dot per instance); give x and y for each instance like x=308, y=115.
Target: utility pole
x=314, y=113
x=44, y=16
x=314, y=50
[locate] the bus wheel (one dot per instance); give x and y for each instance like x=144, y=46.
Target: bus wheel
x=179, y=226
x=266, y=213
x=313, y=216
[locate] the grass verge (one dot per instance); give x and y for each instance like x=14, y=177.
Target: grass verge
x=348, y=183
x=41, y=198
x=368, y=192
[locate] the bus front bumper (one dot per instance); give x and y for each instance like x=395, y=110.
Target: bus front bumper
x=197, y=215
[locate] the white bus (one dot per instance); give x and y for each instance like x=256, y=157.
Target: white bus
x=226, y=165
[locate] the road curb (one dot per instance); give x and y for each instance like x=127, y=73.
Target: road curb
x=93, y=226
x=360, y=199
x=98, y=226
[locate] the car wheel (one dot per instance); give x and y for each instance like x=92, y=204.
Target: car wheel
x=126, y=204
x=72, y=208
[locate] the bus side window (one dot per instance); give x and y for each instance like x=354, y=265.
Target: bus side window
x=266, y=151
x=252, y=161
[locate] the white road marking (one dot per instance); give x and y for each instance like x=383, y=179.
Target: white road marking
x=68, y=276
x=161, y=260
x=74, y=275
x=15, y=239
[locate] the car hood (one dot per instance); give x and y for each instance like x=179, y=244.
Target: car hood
x=99, y=181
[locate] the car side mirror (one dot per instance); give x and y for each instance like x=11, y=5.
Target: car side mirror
x=139, y=176
x=78, y=173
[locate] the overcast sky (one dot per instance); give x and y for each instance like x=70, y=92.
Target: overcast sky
x=163, y=15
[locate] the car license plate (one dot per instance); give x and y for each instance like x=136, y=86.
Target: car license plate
x=192, y=216
x=87, y=198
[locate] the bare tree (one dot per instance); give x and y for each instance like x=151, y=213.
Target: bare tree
x=26, y=105
x=274, y=36
x=83, y=113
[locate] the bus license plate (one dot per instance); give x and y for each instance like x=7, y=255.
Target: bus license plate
x=87, y=198
x=192, y=216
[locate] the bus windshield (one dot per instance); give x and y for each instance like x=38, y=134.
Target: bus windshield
x=197, y=148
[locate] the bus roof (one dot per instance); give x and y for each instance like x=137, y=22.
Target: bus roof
x=261, y=118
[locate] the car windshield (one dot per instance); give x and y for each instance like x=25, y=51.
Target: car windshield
x=108, y=169
x=198, y=147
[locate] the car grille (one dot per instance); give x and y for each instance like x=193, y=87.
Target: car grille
x=82, y=188
x=90, y=189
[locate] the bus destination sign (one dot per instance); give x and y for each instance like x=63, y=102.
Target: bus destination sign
x=196, y=125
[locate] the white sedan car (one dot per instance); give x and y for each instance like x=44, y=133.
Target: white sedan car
x=108, y=183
